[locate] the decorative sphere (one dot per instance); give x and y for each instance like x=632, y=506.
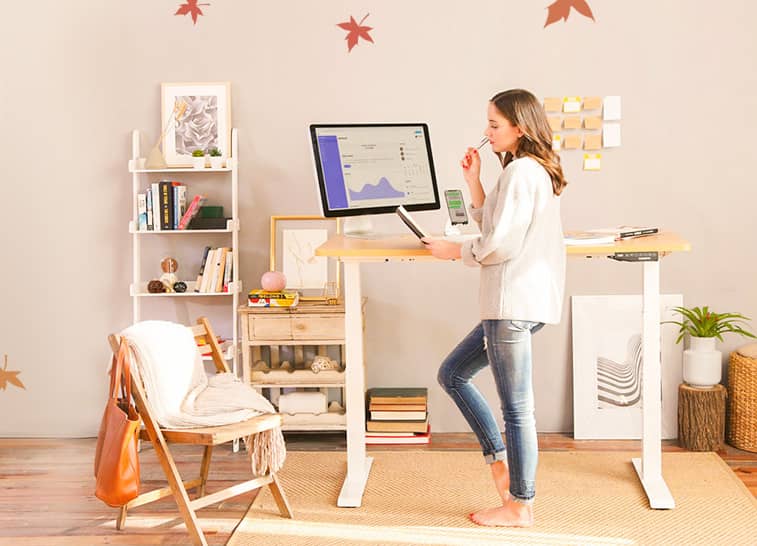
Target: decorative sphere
x=273, y=281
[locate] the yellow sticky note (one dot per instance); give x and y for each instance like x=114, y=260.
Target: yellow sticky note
x=592, y=103
x=554, y=123
x=592, y=162
x=593, y=122
x=571, y=105
x=571, y=142
x=571, y=122
x=593, y=141
x=552, y=104
x=556, y=143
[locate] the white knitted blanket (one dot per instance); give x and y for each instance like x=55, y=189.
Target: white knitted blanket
x=182, y=396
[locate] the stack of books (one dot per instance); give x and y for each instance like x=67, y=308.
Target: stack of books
x=606, y=236
x=397, y=415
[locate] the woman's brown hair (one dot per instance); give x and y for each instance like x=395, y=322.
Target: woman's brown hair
x=523, y=110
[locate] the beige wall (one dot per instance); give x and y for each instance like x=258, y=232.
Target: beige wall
x=79, y=75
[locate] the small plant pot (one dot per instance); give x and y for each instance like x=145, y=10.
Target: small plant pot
x=198, y=162
x=702, y=365
x=216, y=162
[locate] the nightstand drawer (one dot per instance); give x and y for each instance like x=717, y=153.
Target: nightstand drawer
x=318, y=327
x=270, y=328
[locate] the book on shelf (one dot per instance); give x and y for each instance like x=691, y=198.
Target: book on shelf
x=148, y=205
x=179, y=203
x=220, y=267
x=227, y=271
x=203, y=263
x=208, y=223
x=191, y=212
x=397, y=415
x=397, y=395
x=399, y=437
x=155, y=195
x=628, y=232
x=165, y=187
x=142, y=212
x=397, y=426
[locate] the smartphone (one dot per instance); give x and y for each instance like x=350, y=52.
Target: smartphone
x=456, y=206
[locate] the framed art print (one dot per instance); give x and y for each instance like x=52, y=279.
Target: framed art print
x=195, y=116
x=607, y=366
x=293, y=243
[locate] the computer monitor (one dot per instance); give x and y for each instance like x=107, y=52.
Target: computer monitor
x=372, y=168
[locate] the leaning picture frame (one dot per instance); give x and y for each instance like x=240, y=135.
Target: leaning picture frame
x=607, y=364
x=292, y=252
x=195, y=116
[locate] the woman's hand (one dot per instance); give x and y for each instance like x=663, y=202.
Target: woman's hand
x=444, y=250
x=471, y=164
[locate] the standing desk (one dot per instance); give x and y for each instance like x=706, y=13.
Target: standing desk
x=354, y=251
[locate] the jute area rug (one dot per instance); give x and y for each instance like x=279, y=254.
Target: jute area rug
x=584, y=498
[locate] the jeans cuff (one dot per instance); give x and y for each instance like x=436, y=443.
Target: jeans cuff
x=494, y=457
x=522, y=501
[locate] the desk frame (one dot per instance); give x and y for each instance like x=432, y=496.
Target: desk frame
x=353, y=252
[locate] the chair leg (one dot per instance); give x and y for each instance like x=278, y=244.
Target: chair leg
x=121, y=521
x=280, y=498
x=204, y=468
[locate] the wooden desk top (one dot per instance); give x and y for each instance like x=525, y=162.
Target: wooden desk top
x=408, y=246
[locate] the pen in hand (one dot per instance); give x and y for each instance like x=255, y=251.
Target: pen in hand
x=484, y=140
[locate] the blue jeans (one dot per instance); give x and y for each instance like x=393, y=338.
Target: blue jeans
x=506, y=346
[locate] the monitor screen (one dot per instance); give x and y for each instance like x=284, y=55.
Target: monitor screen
x=374, y=168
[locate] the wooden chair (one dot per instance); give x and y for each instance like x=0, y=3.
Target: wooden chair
x=206, y=436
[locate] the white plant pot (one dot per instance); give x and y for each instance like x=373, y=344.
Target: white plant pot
x=198, y=162
x=702, y=363
x=216, y=162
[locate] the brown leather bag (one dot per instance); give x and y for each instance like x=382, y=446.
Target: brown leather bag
x=116, y=458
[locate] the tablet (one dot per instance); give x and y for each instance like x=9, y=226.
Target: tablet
x=409, y=222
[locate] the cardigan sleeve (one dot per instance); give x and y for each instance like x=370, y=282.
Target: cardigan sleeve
x=511, y=219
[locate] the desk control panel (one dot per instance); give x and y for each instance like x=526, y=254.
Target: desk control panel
x=635, y=256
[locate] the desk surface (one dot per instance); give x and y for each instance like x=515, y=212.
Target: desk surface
x=408, y=246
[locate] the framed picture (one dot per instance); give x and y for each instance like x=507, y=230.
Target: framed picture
x=607, y=360
x=293, y=243
x=195, y=116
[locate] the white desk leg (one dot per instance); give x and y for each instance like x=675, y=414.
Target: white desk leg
x=649, y=467
x=358, y=465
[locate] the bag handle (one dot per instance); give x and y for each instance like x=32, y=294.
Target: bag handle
x=120, y=373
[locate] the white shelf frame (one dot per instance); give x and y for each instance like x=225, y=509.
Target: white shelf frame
x=140, y=181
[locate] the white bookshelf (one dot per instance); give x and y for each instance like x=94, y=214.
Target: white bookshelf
x=141, y=179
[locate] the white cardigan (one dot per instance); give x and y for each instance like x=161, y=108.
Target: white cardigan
x=520, y=251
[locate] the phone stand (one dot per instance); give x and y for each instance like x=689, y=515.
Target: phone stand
x=450, y=229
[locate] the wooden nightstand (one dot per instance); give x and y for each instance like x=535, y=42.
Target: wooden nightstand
x=309, y=324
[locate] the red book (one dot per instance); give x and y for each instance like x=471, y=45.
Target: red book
x=192, y=210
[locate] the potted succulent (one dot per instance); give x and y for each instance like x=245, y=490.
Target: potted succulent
x=216, y=159
x=198, y=159
x=702, y=363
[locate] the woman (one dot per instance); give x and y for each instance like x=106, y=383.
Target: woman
x=522, y=260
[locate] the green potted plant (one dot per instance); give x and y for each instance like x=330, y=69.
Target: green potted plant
x=216, y=159
x=198, y=159
x=702, y=362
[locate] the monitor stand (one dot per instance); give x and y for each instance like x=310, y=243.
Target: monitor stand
x=360, y=227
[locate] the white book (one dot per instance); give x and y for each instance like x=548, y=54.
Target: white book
x=587, y=238
x=155, y=206
x=216, y=269
x=148, y=195
x=208, y=273
x=141, y=212
x=227, y=270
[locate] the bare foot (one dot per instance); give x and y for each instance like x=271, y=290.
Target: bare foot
x=510, y=514
x=501, y=475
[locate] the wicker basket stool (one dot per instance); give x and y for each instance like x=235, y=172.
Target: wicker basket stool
x=742, y=398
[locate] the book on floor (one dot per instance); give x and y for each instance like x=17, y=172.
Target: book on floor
x=397, y=426
x=397, y=395
x=398, y=437
x=398, y=415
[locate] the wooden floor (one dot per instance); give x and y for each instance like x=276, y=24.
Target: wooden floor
x=46, y=487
